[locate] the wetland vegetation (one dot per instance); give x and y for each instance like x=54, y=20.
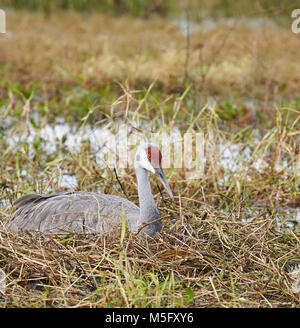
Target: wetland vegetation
x=71, y=77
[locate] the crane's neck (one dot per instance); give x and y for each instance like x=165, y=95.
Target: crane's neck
x=148, y=209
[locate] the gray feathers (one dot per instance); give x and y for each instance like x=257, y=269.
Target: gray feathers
x=81, y=212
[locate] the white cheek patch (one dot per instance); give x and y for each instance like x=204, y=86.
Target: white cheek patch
x=143, y=160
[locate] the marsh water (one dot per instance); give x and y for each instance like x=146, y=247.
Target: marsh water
x=187, y=25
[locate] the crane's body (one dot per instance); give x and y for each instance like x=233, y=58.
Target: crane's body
x=81, y=212
x=89, y=212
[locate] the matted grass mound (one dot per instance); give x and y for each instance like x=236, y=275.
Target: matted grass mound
x=204, y=260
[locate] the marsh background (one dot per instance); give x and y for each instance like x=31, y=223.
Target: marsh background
x=72, y=72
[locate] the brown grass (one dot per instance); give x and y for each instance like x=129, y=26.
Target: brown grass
x=224, y=263
x=66, y=48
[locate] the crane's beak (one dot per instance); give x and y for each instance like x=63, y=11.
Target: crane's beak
x=160, y=173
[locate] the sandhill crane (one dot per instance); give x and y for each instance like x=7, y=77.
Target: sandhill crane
x=90, y=212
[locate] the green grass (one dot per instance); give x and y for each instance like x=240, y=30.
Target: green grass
x=199, y=9
x=134, y=7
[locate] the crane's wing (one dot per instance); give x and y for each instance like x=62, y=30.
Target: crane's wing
x=81, y=212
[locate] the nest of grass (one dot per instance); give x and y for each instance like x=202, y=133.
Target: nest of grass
x=202, y=260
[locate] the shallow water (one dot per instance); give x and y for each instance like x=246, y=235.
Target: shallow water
x=107, y=143
x=287, y=218
x=254, y=23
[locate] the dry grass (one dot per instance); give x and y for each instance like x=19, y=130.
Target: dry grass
x=95, y=51
x=197, y=261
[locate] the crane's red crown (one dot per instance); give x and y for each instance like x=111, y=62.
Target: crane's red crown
x=154, y=156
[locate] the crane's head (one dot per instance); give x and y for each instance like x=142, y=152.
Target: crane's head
x=148, y=157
